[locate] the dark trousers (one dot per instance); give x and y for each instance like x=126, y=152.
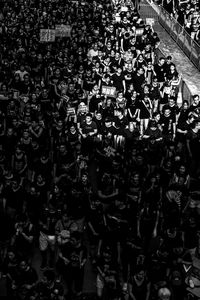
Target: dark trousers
x=73, y=277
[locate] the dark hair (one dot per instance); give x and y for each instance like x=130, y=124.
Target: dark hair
x=194, y=96
x=89, y=115
x=169, y=57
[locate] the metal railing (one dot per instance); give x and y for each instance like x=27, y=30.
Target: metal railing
x=183, y=87
x=183, y=39
x=146, y=11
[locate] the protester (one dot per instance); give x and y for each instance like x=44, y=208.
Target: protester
x=97, y=160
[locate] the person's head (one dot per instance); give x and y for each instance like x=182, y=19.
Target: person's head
x=26, y=78
x=106, y=178
x=196, y=124
x=185, y=104
x=140, y=71
x=131, y=126
x=17, y=77
x=98, y=115
x=84, y=178
x=162, y=61
x=60, y=124
x=26, y=134
x=155, y=82
x=65, y=216
x=164, y=293
x=23, y=265
x=169, y=59
x=22, y=68
x=88, y=118
x=18, y=150
x=134, y=95
x=135, y=178
x=112, y=53
x=140, y=57
x=146, y=88
x=190, y=118
x=109, y=45
x=72, y=128
x=146, y=98
x=171, y=101
x=39, y=178
x=62, y=148
x=152, y=124
x=195, y=99
x=172, y=67
x=140, y=273
x=108, y=122
x=82, y=107
x=11, y=254
x=156, y=116
x=111, y=27
x=120, y=95
x=182, y=169
x=95, y=89
x=119, y=71
x=166, y=111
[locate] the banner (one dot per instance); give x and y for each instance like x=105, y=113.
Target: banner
x=109, y=91
x=47, y=35
x=63, y=30
x=139, y=31
x=124, y=8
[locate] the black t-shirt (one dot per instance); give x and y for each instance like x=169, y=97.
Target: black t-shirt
x=128, y=76
x=138, y=81
x=118, y=81
x=160, y=72
x=88, y=128
x=167, y=124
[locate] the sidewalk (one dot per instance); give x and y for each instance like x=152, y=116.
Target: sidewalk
x=184, y=66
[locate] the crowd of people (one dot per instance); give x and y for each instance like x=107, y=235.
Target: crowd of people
x=98, y=162
x=187, y=13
